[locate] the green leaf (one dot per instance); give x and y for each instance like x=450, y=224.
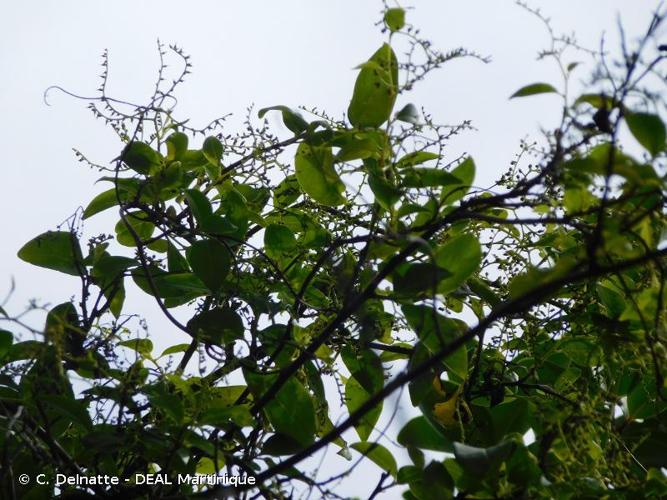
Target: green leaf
x=651, y=452
x=416, y=158
x=576, y=200
x=220, y=415
x=419, y=433
x=140, y=157
x=212, y=149
x=291, y=411
x=56, y=250
x=433, y=483
x=177, y=146
x=159, y=246
x=6, y=340
x=292, y=119
x=378, y=454
x=355, y=396
x=218, y=326
x=101, y=202
x=28, y=349
x=648, y=129
x=278, y=344
x=435, y=331
x=194, y=159
x=255, y=197
x=597, y=162
x=357, y=145
x=611, y=300
x=510, y=416
x=418, y=279
x=168, y=402
x=480, y=461
x=228, y=395
x=375, y=90
x=175, y=349
x=142, y=346
x=75, y=410
x=203, y=213
x=124, y=189
x=366, y=367
x=182, y=286
x=598, y=101
x=388, y=356
x=281, y=444
x=534, y=277
x=207, y=466
x=210, y=261
x=533, y=89
x=167, y=182
x=200, y=206
x=465, y=173
x=394, y=19
x=408, y=114
x=108, y=272
x=423, y=389
x=278, y=238
x=641, y=401
x=317, y=176
x=176, y=263
x=140, y=226
x=386, y=194
x=62, y=328
x=484, y=291
x=10, y=393
x=428, y=177
x=409, y=474
x=286, y=192
x=462, y=256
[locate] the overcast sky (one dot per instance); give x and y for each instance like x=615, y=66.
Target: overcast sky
x=264, y=52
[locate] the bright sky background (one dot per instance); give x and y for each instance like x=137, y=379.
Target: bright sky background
x=293, y=52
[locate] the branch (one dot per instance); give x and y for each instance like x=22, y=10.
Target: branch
x=504, y=309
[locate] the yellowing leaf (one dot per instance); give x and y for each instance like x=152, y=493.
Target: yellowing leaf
x=437, y=385
x=445, y=412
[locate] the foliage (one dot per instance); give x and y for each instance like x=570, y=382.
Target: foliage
x=343, y=263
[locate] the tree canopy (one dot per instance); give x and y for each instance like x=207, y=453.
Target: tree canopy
x=346, y=262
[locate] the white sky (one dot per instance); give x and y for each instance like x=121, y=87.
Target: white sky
x=264, y=52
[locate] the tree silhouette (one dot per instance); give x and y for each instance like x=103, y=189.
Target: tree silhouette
x=342, y=264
